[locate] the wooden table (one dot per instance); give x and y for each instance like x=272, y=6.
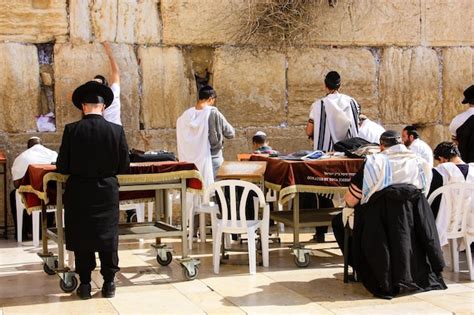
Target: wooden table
x=3, y=162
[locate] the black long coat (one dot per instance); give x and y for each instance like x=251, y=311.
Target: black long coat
x=395, y=243
x=92, y=152
x=465, y=137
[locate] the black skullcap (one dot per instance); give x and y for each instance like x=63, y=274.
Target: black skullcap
x=333, y=80
x=446, y=150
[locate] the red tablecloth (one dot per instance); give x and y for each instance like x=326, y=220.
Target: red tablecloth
x=33, y=183
x=319, y=176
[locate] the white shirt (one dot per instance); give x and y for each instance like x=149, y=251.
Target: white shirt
x=370, y=131
x=460, y=119
x=37, y=154
x=112, y=113
x=423, y=150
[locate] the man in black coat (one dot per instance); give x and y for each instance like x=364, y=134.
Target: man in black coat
x=462, y=127
x=92, y=152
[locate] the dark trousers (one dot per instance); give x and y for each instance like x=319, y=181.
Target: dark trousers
x=338, y=229
x=27, y=219
x=312, y=201
x=85, y=263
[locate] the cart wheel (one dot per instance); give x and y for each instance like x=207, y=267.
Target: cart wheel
x=167, y=261
x=68, y=287
x=48, y=270
x=304, y=263
x=189, y=276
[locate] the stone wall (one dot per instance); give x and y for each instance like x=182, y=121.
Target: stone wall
x=405, y=61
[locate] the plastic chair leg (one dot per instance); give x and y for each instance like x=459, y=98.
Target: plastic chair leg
x=19, y=217
x=216, y=248
x=454, y=255
x=467, y=241
x=36, y=228
x=252, y=253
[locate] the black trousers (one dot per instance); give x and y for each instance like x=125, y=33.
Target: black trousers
x=310, y=201
x=338, y=229
x=85, y=264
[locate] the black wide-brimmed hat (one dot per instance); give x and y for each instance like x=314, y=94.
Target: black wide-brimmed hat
x=469, y=95
x=92, y=92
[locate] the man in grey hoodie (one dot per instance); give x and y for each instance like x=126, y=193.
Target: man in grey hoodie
x=219, y=128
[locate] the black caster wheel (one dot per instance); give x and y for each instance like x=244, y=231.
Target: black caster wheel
x=48, y=270
x=188, y=276
x=303, y=264
x=167, y=261
x=68, y=287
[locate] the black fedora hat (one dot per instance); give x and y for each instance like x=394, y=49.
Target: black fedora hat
x=92, y=92
x=469, y=95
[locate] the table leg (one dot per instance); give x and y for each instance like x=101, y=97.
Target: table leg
x=60, y=224
x=5, y=197
x=184, y=220
x=296, y=220
x=44, y=226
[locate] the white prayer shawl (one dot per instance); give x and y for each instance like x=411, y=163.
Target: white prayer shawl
x=37, y=154
x=445, y=219
x=370, y=131
x=423, y=150
x=112, y=113
x=192, y=131
x=336, y=118
x=395, y=165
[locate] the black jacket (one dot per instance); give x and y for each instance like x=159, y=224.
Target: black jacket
x=465, y=137
x=92, y=152
x=395, y=243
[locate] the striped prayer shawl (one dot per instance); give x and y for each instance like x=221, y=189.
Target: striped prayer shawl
x=336, y=118
x=395, y=165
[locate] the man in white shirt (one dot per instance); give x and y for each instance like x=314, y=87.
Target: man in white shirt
x=112, y=113
x=333, y=118
x=369, y=130
x=412, y=141
x=462, y=127
x=35, y=154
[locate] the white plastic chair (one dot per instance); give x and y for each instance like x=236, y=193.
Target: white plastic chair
x=36, y=220
x=229, y=224
x=459, y=200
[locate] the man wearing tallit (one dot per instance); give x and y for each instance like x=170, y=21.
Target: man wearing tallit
x=333, y=118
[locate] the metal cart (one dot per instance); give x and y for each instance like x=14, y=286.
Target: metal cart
x=159, y=182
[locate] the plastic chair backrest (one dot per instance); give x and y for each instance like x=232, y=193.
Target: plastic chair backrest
x=458, y=198
x=231, y=215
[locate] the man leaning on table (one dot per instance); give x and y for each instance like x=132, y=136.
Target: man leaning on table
x=93, y=151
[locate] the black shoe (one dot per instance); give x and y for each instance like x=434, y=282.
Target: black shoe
x=319, y=238
x=84, y=291
x=108, y=289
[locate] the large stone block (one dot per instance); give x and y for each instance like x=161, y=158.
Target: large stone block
x=308, y=67
x=168, y=88
x=366, y=22
x=152, y=140
x=410, y=86
x=79, y=21
x=200, y=22
x=447, y=22
x=19, y=87
x=33, y=21
x=435, y=134
x=74, y=65
x=131, y=21
x=283, y=139
x=458, y=74
x=250, y=86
